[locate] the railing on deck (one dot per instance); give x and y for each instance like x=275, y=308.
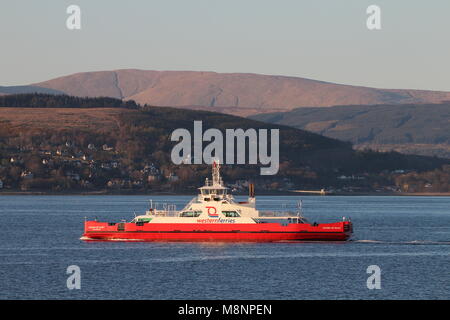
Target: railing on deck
x=278, y=214
x=166, y=209
x=165, y=213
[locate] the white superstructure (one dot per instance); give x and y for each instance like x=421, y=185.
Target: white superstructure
x=215, y=205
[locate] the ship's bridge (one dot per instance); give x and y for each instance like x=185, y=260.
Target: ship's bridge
x=213, y=193
x=214, y=190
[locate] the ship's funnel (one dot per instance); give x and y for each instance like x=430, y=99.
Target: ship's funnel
x=251, y=190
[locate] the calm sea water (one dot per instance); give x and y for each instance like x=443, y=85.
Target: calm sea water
x=407, y=237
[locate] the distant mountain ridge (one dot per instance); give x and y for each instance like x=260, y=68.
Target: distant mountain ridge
x=412, y=129
x=236, y=93
x=6, y=90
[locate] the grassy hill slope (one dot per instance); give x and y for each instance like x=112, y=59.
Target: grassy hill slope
x=413, y=129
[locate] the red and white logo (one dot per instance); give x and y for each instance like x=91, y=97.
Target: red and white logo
x=212, y=212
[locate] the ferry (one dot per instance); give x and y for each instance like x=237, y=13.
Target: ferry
x=214, y=215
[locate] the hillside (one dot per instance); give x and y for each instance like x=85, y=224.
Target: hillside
x=43, y=100
x=412, y=129
x=5, y=90
x=233, y=93
x=76, y=149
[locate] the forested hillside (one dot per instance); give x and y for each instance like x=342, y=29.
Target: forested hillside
x=121, y=149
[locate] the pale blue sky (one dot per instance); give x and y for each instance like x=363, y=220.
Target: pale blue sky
x=319, y=39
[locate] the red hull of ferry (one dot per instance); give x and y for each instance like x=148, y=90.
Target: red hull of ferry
x=262, y=232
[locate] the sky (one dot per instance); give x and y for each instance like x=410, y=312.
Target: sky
x=325, y=40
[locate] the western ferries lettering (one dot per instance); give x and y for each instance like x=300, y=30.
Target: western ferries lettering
x=219, y=220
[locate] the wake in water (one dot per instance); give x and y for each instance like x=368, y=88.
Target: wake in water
x=413, y=242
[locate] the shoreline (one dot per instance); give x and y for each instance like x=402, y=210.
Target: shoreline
x=134, y=193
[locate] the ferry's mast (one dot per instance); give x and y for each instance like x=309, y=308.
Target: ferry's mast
x=216, y=173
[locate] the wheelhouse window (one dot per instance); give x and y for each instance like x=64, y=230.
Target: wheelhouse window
x=220, y=192
x=217, y=192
